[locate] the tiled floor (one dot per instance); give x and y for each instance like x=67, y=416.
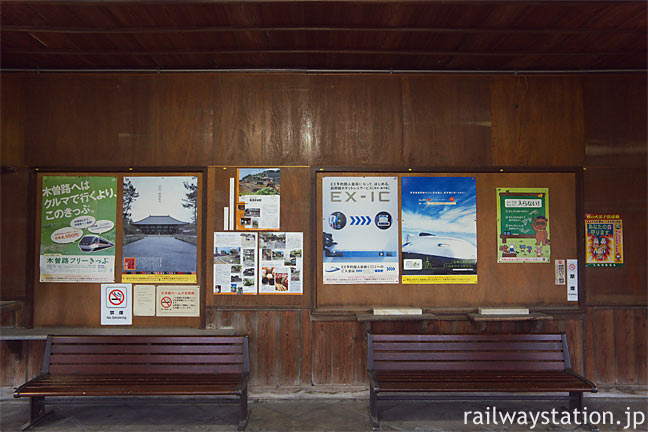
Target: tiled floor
x=189, y=415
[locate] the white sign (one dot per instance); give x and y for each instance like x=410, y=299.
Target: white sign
x=144, y=300
x=116, y=304
x=572, y=280
x=560, y=272
x=360, y=230
x=178, y=300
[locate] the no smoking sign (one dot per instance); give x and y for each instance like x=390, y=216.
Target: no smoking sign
x=116, y=298
x=166, y=302
x=116, y=304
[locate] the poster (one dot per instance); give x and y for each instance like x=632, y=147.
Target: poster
x=178, y=301
x=78, y=229
x=235, y=263
x=360, y=230
x=523, y=225
x=258, y=198
x=281, y=268
x=116, y=304
x=439, y=230
x=160, y=217
x=604, y=240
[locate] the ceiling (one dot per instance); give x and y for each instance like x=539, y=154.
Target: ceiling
x=324, y=35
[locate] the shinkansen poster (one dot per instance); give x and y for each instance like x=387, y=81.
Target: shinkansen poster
x=78, y=229
x=360, y=230
x=439, y=230
x=604, y=237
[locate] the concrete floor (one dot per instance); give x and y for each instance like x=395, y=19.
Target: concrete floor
x=324, y=414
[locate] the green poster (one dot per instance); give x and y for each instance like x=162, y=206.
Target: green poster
x=78, y=229
x=523, y=225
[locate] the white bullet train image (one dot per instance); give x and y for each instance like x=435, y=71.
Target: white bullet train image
x=438, y=250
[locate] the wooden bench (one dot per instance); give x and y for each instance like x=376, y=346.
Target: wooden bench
x=141, y=366
x=516, y=363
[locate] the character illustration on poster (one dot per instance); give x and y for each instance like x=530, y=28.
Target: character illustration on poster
x=360, y=230
x=604, y=237
x=523, y=225
x=439, y=230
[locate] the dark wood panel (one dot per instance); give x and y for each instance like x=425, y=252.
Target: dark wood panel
x=641, y=345
x=439, y=129
x=625, y=346
x=615, y=120
x=306, y=353
x=356, y=122
x=549, y=122
x=604, y=348
x=269, y=355
x=619, y=191
x=290, y=336
x=322, y=360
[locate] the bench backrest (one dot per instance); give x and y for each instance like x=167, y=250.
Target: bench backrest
x=116, y=355
x=538, y=352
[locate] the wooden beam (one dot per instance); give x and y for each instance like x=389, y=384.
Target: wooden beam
x=319, y=51
x=236, y=29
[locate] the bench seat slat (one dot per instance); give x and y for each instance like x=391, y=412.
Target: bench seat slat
x=466, y=346
x=468, y=365
x=98, y=369
x=181, y=340
x=144, y=348
x=143, y=358
x=481, y=355
x=475, y=337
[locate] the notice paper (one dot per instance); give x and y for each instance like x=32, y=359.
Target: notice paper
x=178, y=300
x=144, y=300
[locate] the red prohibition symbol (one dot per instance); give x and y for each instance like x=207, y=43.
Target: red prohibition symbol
x=166, y=302
x=116, y=297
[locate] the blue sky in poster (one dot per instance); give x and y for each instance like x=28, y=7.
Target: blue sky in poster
x=420, y=214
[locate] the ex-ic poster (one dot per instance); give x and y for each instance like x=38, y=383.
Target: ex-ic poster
x=360, y=230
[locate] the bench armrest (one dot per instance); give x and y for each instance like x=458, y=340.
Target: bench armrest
x=244, y=382
x=582, y=378
x=373, y=380
x=16, y=393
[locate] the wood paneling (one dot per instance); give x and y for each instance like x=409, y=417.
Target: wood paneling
x=352, y=121
x=438, y=130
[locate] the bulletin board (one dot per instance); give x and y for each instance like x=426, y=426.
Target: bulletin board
x=295, y=216
x=77, y=304
x=504, y=284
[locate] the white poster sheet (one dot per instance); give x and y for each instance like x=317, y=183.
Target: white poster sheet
x=360, y=230
x=281, y=268
x=178, y=300
x=235, y=263
x=116, y=304
x=144, y=300
x=258, y=198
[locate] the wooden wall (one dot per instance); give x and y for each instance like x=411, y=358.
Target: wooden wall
x=597, y=122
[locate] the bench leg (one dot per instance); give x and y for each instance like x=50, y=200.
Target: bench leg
x=373, y=408
x=243, y=416
x=36, y=411
x=576, y=401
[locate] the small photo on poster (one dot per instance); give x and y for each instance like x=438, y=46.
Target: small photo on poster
x=258, y=194
x=160, y=217
x=235, y=263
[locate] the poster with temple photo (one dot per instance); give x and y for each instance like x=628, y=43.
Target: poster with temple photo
x=160, y=218
x=439, y=230
x=258, y=199
x=235, y=263
x=281, y=263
